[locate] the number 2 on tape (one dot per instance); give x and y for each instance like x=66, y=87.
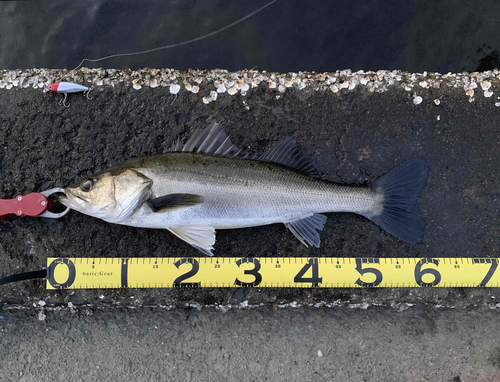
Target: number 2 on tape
x=195, y=267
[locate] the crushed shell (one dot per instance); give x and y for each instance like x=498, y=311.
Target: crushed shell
x=485, y=85
x=218, y=81
x=174, y=88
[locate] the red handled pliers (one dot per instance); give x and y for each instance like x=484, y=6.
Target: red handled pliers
x=35, y=204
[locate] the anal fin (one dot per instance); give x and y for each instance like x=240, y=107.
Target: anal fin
x=201, y=237
x=306, y=229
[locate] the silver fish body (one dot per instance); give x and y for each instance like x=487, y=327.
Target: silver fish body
x=208, y=184
x=241, y=193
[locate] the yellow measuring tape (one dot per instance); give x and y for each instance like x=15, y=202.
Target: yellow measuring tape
x=264, y=272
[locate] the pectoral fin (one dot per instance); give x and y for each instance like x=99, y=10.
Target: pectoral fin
x=171, y=202
x=201, y=237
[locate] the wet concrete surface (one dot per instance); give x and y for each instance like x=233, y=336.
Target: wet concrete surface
x=354, y=137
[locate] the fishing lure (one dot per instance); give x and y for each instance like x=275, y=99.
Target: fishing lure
x=66, y=88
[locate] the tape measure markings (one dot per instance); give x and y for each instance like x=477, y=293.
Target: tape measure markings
x=298, y=272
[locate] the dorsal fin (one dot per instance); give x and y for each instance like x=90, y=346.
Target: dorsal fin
x=214, y=140
x=211, y=140
x=288, y=153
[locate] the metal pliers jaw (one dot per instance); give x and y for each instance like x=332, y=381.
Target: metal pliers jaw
x=47, y=213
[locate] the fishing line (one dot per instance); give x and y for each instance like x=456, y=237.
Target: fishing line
x=24, y=276
x=180, y=43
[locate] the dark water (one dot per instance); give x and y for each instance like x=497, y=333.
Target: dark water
x=440, y=35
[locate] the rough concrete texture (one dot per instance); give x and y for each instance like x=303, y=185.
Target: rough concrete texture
x=355, y=135
x=340, y=344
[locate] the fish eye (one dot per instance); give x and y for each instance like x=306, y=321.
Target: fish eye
x=87, y=185
x=50, y=87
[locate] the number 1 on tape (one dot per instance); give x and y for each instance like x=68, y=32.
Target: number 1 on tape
x=262, y=272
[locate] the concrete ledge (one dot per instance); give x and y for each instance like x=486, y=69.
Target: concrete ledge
x=357, y=125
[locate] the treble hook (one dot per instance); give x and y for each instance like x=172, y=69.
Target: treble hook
x=63, y=101
x=87, y=93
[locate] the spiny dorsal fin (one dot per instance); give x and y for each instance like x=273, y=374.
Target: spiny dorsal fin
x=211, y=140
x=201, y=237
x=288, y=153
x=306, y=229
x=171, y=202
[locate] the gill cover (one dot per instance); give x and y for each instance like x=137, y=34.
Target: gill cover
x=131, y=189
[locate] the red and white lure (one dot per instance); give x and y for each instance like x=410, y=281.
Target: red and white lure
x=65, y=88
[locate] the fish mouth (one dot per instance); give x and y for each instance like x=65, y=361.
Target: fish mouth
x=45, y=89
x=75, y=202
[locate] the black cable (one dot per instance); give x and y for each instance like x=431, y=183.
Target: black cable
x=24, y=276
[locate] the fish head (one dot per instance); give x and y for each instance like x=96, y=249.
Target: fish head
x=51, y=87
x=111, y=195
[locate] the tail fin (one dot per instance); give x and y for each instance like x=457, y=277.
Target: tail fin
x=402, y=187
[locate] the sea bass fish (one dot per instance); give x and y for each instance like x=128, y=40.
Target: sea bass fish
x=208, y=184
